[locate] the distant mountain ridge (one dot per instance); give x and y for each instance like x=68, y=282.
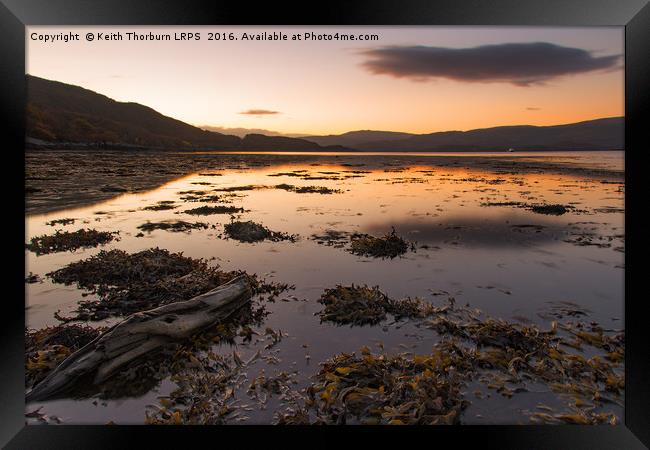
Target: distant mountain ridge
x=64, y=115
x=598, y=134
x=361, y=137
x=241, y=132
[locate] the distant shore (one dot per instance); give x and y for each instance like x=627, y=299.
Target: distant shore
x=98, y=146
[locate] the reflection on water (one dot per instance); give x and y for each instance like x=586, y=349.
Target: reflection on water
x=504, y=259
x=502, y=230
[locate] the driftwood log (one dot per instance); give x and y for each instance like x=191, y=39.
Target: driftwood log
x=142, y=333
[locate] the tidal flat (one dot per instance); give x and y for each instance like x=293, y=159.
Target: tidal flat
x=460, y=288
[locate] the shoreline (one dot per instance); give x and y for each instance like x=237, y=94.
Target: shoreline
x=64, y=179
x=63, y=147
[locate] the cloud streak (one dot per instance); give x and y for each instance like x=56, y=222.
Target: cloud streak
x=259, y=112
x=521, y=64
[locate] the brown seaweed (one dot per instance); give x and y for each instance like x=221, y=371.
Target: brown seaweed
x=64, y=241
x=175, y=226
x=254, y=232
x=388, y=246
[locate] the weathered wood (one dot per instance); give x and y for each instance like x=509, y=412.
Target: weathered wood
x=142, y=333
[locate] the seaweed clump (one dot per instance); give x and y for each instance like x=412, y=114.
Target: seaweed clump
x=505, y=357
x=209, y=198
x=332, y=238
x=387, y=246
x=163, y=205
x=307, y=189
x=46, y=348
x=205, y=392
x=553, y=210
x=285, y=187
x=250, y=231
x=390, y=390
x=207, y=380
x=174, y=226
x=126, y=283
x=356, y=305
x=64, y=221
x=208, y=210
x=363, y=305
x=32, y=278
x=69, y=241
x=249, y=187
x=293, y=416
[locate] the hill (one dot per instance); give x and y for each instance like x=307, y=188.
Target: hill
x=599, y=134
x=261, y=142
x=59, y=112
x=362, y=137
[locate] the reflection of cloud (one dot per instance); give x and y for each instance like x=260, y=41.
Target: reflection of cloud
x=521, y=64
x=507, y=230
x=259, y=112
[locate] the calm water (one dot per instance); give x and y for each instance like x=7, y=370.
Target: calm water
x=482, y=255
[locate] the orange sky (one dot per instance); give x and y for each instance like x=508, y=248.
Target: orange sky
x=323, y=87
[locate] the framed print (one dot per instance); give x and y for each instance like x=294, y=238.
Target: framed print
x=379, y=216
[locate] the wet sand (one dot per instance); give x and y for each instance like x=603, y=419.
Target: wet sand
x=57, y=180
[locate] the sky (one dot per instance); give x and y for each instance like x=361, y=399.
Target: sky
x=411, y=79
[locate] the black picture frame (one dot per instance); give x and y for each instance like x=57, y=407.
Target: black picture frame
x=634, y=15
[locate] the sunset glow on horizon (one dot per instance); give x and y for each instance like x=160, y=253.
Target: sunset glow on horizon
x=411, y=79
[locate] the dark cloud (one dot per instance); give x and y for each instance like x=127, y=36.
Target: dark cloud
x=522, y=64
x=259, y=112
x=533, y=108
